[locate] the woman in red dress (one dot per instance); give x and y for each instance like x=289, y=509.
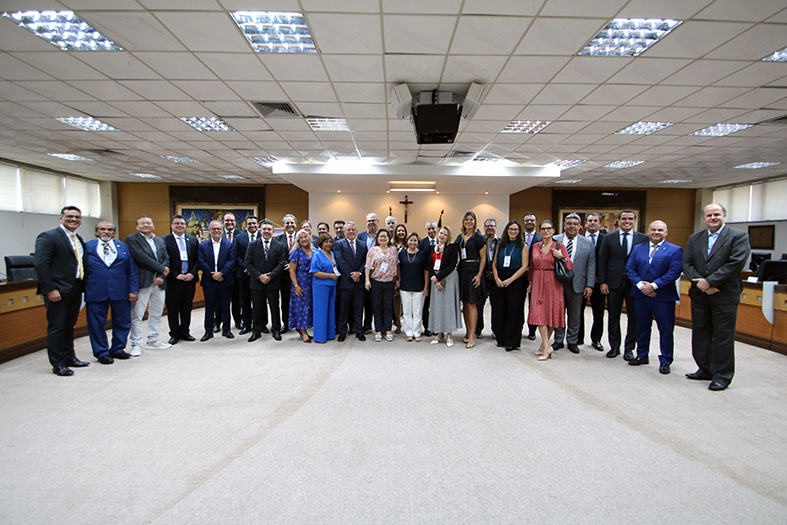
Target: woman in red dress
x=546, y=301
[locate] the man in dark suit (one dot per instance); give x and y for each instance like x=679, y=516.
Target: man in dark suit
x=288, y=239
x=216, y=258
x=241, y=243
x=265, y=262
x=583, y=257
x=531, y=236
x=597, y=300
x=350, y=256
x=181, y=280
x=713, y=260
x=338, y=229
x=152, y=259
x=653, y=268
x=370, y=238
x=230, y=233
x=611, y=268
x=492, y=240
x=112, y=282
x=60, y=264
x=426, y=244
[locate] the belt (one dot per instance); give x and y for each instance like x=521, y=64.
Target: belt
x=472, y=260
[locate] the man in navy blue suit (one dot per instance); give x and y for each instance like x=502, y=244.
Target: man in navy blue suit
x=368, y=237
x=652, y=269
x=350, y=256
x=241, y=244
x=112, y=282
x=216, y=258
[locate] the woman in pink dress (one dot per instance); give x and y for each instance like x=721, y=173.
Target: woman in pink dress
x=546, y=300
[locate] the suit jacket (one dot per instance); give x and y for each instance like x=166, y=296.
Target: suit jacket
x=663, y=270
x=150, y=265
x=584, y=262
x=225, y=264
x=173, y=251
x=55, y=263
x=448, y=265
x=282, y=238
x=611, y=264
x=347, y=264
x=722, y=268
x=425, y=244
x=365, y=235
x=599, y=238
x=113, y=282
x=241, y=245
x=257, y=264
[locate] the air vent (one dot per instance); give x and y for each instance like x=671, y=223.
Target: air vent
x=104, y=153
x=461, y=154
x=276, y=110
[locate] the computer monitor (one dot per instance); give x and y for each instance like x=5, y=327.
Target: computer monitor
x=756, y=259
x=773, y=270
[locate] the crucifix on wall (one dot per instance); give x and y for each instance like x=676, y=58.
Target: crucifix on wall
x=406, y=202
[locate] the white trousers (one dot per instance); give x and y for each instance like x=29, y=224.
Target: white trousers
x=412, y=306
x=154, y=297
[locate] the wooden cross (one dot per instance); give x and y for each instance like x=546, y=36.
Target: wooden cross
x=406, y=203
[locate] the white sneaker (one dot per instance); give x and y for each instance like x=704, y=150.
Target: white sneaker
x=136, y=351
x=159, y=345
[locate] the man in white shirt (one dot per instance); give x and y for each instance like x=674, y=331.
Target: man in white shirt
x=181, y=280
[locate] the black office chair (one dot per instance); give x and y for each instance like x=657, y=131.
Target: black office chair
x=773, y=270
x=756, y=260
x=19, y=268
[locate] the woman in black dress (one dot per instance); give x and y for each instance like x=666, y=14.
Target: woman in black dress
x=472, y=289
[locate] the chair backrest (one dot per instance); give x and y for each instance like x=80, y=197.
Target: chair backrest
x=20, y=268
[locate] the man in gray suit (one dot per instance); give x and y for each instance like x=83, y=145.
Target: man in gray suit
x=713, y=260
x=150, y=254
x=583, y=256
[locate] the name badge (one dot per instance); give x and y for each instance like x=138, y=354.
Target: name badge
x=464, y=253
x=506, y=261
x=383, y=267
x=437, y=264
x=336, y=271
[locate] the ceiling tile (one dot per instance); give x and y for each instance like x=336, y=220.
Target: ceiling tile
x=613, y=94
x=703, y=72
x=235, y=66
x=512, y=93
x=662, y=95
x=181, y=4
x=364, y=110
x=105, y=89
x=488, y=35
x=758, y=42
x=543, y=112
x=531, y=69
x=743, y=11
x=320, y=109
x=309, y=91
x=288, y=66
x=359, y=34
x=755, y=75
x=590, y=69
x=558, y=36
x=342, y=6
x=586, y=8
x=413, y=68
x=673, y=114
x=176, y=66
x=15, y=38
x=205, y=31
x=258, y=91
x=134, y=31
x=206, y=89
x=563, y=93
x=358, y=92
x=352, y=68
x=184, y=108
x=711, y=96
x=155, y=89
x=760, y=98
x=629, y=114
x=582, y=112
x=60, y=65
x=675, y=9
x=118, y=65
x=502, y=7
x=55, y=90
x=99, y=110
x=498, y=112
x=418, y=34
x=228, y=108
x=643, y=70
x=694, y=39
x=14, y=69
x=140, y=109
x=420, y=7
x=715, y=116
x=463, y=68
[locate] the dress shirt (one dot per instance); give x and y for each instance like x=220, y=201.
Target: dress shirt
x=626, y=237
x=491, y=244
x=369, y=240
x=151, y=242
x=76, y=246
x=180, y=240
x=107, y=252
x=712, y=237
x=593, y=238
x=573, y=251
x=652, y=249
x=216, y=250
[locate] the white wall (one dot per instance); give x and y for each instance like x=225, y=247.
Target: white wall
x=354, y=206
x=780, y=236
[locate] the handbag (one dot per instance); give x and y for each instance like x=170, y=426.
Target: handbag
x=561, y=273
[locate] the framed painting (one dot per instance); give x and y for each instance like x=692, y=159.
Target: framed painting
x=199, y=215
x=608, y=216
x=761, y=237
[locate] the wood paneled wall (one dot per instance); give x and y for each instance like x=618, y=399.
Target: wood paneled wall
x=536, y=200
x=281, y=199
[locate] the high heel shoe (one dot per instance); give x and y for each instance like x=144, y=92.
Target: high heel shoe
x=546, y=356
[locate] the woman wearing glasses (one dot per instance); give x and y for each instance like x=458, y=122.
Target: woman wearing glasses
x=508, y=304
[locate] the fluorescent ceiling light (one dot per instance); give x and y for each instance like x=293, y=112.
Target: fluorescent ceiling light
x=623, y=163
x=231, y=177
x=778, y=56
x=412, y=182
x=207, y=123
x=568, y=181
x=486, y=159
x=411, y=189
x=719, y=130
x=275, y=32
x=264, y=161
x=68, y=156
x=87, y=123
x=643, y=128
x=63, y=29
x=526, y=126
x=756, y=165
x=675, y=181
x=328, y=124
x=628, y=36
x=145, y=175
x=567, y=164
x=178, y=158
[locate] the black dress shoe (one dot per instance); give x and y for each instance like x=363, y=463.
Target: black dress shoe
x=628, y=355
x=254, y=337
x=244, y=331
x=574, y=349
x=717, y=385
x=265, y=330
x=228, y=335
x=360, y=337
x=428, y=333
x=557, y=346
x=663, y=368
x=532, y=336
x=216, y=329
x=284, y=330
x=122, y=355
x=342, y=337
x=187, y=337
x=105, y=360
x=76, y=363
x=62, y=371
x=614, y=352
x=208, y=335
x=509, y=349
x=276, y=335
x=173, y=340
x=598, y=346
x=699, y=376
x=639, y=361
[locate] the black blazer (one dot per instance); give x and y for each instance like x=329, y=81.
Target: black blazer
x=612, y=258
x=722, y=268
x=55, y=263
x=174, y=256
x=257, y=264
x=241, y=244
x=347, y=264
x=425, y=244
x=450, y=258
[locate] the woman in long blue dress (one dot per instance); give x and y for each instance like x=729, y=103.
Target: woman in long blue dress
x=301, y=288
x=324, y=275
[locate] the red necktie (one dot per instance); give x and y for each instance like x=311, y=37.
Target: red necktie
x=290, y=237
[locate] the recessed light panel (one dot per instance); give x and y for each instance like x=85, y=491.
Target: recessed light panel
x=567, y=164
x=623, y=163
x=756, y=165
x=180, y=159
x=526, y=126
x=207, y=123
x=628, y=37
x=64, y=30
x=328, y=124
x=719, y=130
x=675, y=181
x=568, y=181
x=643, y=128
x=68, y=156
x=87, y=123
x=145, y=175
x=778, y=56
x=264, y=161
x=275, y=32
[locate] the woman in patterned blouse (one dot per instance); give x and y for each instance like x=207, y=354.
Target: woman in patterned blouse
x=381, y=271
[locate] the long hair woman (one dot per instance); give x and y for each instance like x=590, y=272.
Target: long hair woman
x=472, y=288
x=508, y=303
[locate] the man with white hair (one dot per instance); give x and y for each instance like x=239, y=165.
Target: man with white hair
x=426, y=244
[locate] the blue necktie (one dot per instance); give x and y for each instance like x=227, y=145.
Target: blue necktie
x=184, y=265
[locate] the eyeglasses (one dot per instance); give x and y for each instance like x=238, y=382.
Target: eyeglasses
x=547, y=228
x=72, y=216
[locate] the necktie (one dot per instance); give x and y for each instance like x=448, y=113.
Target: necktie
x=432, y=242
x=570, y=247
x=266, y=248
x=652, y=252
x=229, y=236
x=78, y=252
x=184, y=265
x=290, y=236
x=625, y=242
x=593, y=238
x=253, y=237
x=352, y=246
x=106, y=249
x=529, y=239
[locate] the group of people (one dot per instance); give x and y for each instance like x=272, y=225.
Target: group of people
x=372, y=281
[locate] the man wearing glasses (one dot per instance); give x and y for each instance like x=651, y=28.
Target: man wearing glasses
x=530, y=235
